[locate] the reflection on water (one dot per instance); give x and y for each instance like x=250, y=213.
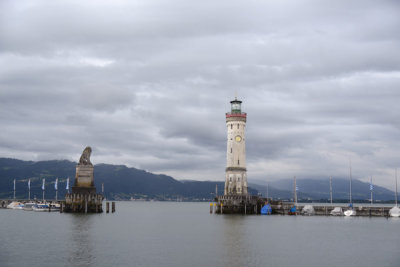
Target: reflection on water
x=81, y=252
x=234, y=240
x=185, y=234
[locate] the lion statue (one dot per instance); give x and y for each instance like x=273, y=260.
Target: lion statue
x=85, y=158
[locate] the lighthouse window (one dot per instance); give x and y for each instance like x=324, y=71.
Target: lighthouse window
x=238, y=126
x=238, y=179
x=231, y=126
x=231, y=150
x=238, y=162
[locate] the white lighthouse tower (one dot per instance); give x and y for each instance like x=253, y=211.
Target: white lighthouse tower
x=236, y=178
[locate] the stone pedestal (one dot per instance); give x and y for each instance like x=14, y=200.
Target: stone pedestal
x=84, y=175
x=84, y=180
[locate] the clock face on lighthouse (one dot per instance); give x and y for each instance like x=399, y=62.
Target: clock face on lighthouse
x=238, y=138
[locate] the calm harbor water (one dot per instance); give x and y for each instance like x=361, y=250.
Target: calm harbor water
x=185, y=234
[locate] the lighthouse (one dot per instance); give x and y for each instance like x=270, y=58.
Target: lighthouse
x=236, y=198
x=235, y=173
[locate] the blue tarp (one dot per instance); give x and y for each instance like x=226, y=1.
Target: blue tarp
x=266, y=209
x=293, y=209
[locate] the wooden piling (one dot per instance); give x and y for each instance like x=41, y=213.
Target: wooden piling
x=113, y=207
x=211, y=208
x=107, y=207
x=62, y=207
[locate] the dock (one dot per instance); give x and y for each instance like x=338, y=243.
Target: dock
x=224, y=205
x=364, y=210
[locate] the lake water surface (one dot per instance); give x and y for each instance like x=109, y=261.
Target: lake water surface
x=185, y=234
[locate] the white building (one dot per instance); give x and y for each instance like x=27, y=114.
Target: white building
x=236, y=179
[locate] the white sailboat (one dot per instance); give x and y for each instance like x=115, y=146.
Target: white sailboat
x=350, y=211
x=395, y=211
x=15, y=205
x=337, y=211
x=308, y=210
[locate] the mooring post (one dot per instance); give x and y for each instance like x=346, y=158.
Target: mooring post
x=245, y=211
x=86, y=202
x=221, y=207
x=61, y=207
x=211, y=208
x=107, y=207
x=113, y=207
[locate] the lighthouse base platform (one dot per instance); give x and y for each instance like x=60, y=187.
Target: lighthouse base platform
x=238, y=204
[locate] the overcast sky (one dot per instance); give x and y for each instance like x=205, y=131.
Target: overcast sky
x=147, y=84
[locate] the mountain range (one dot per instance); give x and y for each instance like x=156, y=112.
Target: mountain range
x=313, y=189
x=121, y=182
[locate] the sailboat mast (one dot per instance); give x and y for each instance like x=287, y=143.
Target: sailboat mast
x=330, y=187
x=295, y=191
x=396, y=186
x=350, y=184
x=371, y=189
x=267, y=190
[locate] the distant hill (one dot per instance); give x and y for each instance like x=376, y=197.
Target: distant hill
x=120, y=182
x=279, y=194
x=319, y=189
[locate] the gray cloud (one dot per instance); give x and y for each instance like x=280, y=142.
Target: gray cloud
x=147, y=84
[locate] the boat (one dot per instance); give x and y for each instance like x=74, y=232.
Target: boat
x=350, y=211
x=19, y=207
x=337, y=211
x=266, y=210
x=308, y=210
x=41, y=207
x=15, y=205
x=292, y=211
x=29, y=205
x=395, y=211
x=55, y=207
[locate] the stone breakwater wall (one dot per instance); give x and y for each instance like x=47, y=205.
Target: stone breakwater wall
x=236, y=204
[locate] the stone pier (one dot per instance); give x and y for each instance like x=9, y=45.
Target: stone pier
x=238, y=204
